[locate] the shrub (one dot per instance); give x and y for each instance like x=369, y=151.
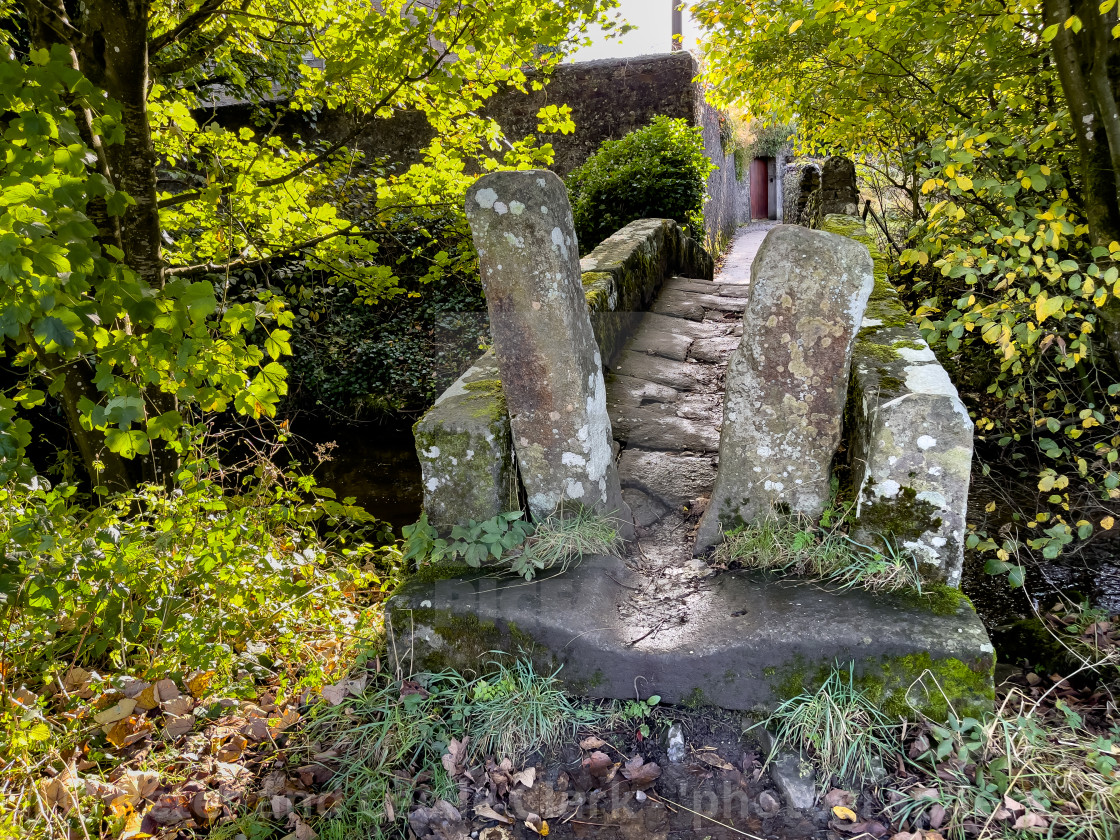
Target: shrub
x=656, y=172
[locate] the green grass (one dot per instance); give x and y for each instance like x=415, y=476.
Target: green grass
x=562, y=540
x=837, y=727
x=790, y=546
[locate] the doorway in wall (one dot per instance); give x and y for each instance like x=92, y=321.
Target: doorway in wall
x=764, y=187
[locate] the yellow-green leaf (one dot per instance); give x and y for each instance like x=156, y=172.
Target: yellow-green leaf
x=964, y=182
x=796, y=26
x=1045, y=307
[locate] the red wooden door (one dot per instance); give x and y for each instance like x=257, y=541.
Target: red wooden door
x=760, y=189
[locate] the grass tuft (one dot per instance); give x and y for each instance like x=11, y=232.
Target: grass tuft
x=791, y=546
x=562, y=540
x=838, y=727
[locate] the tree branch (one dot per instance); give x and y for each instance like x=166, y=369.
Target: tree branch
x=220, y=268
x=192, y=22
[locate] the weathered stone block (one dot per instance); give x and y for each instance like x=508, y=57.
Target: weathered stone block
x=788, y=380
x=465, y=450
x=839, y=193
x=910, y=438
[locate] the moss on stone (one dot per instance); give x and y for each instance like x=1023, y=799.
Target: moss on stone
x=696, y=699
x=934, y=688
x=434, y=572
x=881, y=354
x=909, y=345
x=904, y=517
x=939, y=598
x=892, y=684
x=467, y=642
x=488, y=389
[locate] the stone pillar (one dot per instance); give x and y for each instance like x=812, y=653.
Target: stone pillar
x=788, y=379
x=839, y=193
x=551, y=369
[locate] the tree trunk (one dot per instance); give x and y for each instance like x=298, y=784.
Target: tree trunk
x=114, y=473
x=1088, y=63
x=112, y=52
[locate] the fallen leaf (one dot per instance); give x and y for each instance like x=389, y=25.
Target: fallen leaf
x=712, y=759
x=281, y=806
x=179, y=705
x=526, y=777
x=592, y=743
x=77, y=681
x=120, y=711
x=872, y=827
x=206, y=805
x=1031, y=821
x=198, y=682
x=56, y=794
x=303, y=830
x=936, y=816
x=169, y=810
x=599, y=764
x=175, y=726
x=842, y=813
x=125, y=732
x=838, y=796
x=488, y=813
x=907, y=835
x=138, y=785
x=454, y=759
x=1016, y=808
x=640, y=773
x=335, y=694
x=534, y=823
x=232, y=749
x=134, y=828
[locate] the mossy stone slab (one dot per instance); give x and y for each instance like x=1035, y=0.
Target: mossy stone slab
x=749, y=642
x=465, y=450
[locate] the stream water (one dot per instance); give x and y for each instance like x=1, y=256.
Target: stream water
x=377, y=465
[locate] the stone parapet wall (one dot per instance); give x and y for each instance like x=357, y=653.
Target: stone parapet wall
x=463, y=442
x=909, y=435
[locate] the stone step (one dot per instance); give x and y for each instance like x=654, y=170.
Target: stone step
x=736, y=640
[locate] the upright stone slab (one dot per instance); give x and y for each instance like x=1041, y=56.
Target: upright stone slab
x=551, y=368
x=788, y=380
x=839, y=193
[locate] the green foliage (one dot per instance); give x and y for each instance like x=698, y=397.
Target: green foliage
x=121, y=303
x=476, y=544
x=839, y=727
x=1057, y=776
x=166, y=582
x=639, y=712
x=350, y=356
x=562, y=540
x=506, y=541
x=659, y=171
x=959, y=114
x=67, y=294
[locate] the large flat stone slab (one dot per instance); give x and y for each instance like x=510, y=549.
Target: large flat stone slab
x=671, y=477
x=655, y=342
x=745, y=642
x=681, y=376
x=651, y=427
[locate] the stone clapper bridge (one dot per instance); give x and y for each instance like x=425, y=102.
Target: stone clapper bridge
x=623, y=383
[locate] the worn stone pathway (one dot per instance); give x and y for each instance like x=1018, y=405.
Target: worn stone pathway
x=665, y=399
